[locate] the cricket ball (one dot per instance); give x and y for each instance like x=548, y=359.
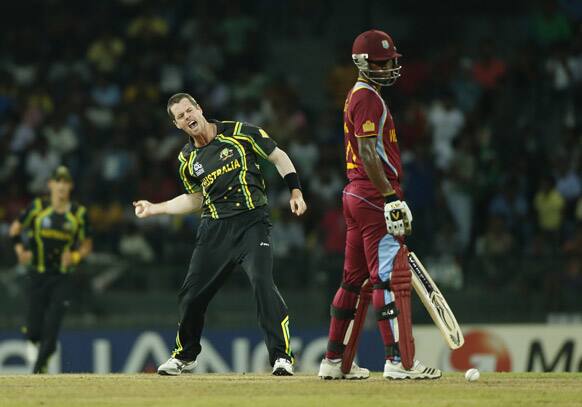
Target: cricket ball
x=472, y=375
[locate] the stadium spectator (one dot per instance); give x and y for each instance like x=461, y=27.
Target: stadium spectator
x=446, y=121
x=549, y=206
x=105, y=52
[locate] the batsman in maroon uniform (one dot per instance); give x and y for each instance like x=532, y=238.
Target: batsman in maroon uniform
x=377, y=219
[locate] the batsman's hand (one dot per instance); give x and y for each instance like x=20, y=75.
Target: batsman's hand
x=398, y=218
x=144, y=209
x=298, y=205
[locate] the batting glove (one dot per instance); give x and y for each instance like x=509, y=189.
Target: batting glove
x=398, y=216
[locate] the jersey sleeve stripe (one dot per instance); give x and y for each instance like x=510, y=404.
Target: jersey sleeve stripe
x=254, y=145
x=380, y=140
x=183, y=166
x=37, y=208
x=237, y=128
x=194, y=188
x=80, y=218
x=238, y=134
x=190, y=188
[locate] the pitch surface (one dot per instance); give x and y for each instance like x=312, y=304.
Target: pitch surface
x=119, y=390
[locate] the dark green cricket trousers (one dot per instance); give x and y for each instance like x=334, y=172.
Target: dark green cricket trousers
x=221, y=246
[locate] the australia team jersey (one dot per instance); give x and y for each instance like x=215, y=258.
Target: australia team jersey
x=226, y=171
x=366, y=115
x=49, y=233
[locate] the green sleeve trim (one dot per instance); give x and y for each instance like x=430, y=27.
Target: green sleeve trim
x=33, y=212
x=190, y=188
x=238, y=134
x=80, y=217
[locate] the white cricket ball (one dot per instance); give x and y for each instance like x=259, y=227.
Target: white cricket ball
x=472, y=375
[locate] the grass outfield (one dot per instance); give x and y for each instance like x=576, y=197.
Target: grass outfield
x=493, y=389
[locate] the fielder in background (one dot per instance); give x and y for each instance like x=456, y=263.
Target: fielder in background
x=221, y=176
x=50, y=237
x=377, y=219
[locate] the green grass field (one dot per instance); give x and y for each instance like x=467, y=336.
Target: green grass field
x=493, y=389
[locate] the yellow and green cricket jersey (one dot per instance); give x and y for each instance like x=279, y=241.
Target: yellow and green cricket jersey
x=226, y=170
x=50, y=233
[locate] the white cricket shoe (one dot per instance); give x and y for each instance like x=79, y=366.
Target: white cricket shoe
x=418, y=371
x=330, y=370
x=31, y=352
x=283, y=367
x=175, y=367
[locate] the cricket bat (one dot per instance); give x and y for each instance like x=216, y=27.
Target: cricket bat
x=435, y=303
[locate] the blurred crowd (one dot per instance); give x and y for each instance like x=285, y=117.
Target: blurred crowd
x=489, y=122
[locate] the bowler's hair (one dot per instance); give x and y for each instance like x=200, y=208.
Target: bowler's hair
x=176, y=99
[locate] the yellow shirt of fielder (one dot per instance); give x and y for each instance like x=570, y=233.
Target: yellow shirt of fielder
x=550, y=207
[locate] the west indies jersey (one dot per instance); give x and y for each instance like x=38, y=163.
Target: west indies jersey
x=366, y=115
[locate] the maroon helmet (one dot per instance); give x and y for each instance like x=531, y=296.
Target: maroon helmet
x=376, y=46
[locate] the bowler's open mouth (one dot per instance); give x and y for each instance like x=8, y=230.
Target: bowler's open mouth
x=193, y=124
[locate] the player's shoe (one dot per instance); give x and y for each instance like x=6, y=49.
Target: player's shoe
x=418, y=372
x=31, y=351
x=175, y=367
x=283, y=367
x=332, y=370
x=40, y=369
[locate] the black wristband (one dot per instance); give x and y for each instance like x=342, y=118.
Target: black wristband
x=391, y=198
x=292, y=181
x=16, y=239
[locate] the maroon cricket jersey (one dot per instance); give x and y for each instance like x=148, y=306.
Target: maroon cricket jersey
x=366, y=115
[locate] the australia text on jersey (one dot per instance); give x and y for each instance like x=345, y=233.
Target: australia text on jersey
x=210, y=178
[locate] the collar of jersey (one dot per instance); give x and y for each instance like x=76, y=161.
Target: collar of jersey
x=366, y=81
x=220, y=126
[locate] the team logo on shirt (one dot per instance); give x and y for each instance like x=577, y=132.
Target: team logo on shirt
x=198, y=169
x=368, y=126
x=67, y=226
x=225, y=154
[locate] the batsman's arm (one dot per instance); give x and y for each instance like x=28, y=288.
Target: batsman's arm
x=373, y=165
x=286, y=169
x=180, y=205
x=398, y=215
